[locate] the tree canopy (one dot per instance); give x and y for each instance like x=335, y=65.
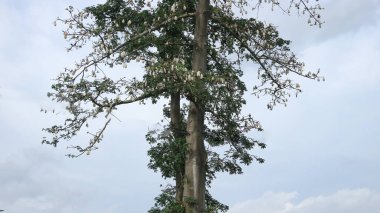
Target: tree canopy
x=191, y=51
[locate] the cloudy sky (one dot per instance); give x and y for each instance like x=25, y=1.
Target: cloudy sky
x=323, y=150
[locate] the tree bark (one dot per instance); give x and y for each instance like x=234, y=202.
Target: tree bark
x=175, y=123
x=195, y=164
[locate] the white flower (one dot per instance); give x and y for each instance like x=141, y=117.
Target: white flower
x=173, y=8
x=123, y=54
x=229, y=3
x=129, y=22
x=125, y=65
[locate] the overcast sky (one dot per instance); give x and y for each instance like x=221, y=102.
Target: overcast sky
x=323, y=151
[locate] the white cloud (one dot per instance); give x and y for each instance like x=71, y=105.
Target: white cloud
x=344, y=201
x=343, y=16
x=339, y=16
x=349, y=61
x=270, y=202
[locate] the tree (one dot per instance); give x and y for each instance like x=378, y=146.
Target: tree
x=191, y=50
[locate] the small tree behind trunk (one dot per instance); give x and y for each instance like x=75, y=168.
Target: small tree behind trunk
x=175, y=123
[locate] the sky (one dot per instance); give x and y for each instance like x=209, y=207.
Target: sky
x=323, y=150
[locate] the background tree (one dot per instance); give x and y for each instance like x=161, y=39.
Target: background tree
x=191, y=50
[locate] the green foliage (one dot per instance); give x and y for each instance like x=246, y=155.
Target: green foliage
x=167, y=153
x=166, y=203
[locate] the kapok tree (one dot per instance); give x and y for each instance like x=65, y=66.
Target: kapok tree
x=191, y=50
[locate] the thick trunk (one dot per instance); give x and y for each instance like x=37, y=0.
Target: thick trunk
x=175, y=122
x=194, y=188
x=195, y=165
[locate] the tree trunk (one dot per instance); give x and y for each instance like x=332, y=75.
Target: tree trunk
x=175, y=123
x=194, y=188
x=195, y=164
